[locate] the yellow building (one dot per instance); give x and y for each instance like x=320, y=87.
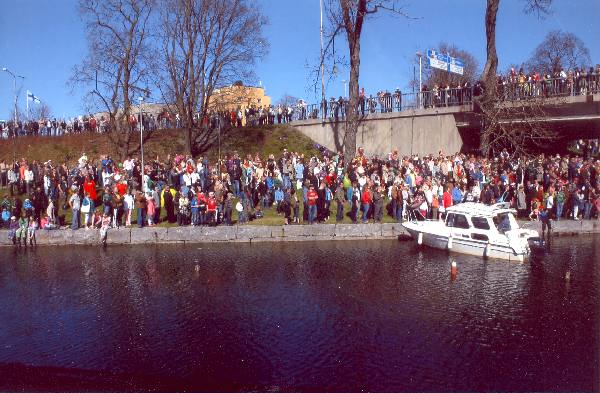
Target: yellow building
x=237, y=96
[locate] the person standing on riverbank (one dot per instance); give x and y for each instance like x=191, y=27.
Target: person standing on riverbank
x=75, y=204
x=140, y=205
x=367, y=200
x=87, y=208
x=311, y=198
x=544, y=217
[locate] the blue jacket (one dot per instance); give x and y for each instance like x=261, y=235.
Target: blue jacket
x=278, y=195
x=456, y=195
x=299, y=168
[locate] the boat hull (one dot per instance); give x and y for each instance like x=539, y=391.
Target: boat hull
x=462, y=245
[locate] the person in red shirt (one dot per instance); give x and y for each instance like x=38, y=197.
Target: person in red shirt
x=366, y=198
x=312, y=197
x=447, y=197
x=89, y=186
x=121, y=188
x=211, y=208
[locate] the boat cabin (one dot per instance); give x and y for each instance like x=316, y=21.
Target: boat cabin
x=481, y=220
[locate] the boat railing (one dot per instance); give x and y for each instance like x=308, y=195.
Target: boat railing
x=415, y=215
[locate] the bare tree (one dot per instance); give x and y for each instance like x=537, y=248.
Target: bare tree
x=348, y=17
x=40, y=111
x=116, y=67
x=499, y=125
x=559, y=50
x=206, y=44
x=288, y=100
x=434, y=76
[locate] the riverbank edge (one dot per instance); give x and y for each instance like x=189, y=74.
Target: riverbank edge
x=255, y=234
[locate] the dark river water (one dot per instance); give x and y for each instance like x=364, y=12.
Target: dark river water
x=322, y=316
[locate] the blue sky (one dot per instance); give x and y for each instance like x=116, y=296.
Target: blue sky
x=44, y=39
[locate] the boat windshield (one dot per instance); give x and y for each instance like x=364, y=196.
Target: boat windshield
x=505, y=222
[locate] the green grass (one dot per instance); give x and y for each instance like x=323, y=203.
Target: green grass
x=251, y=140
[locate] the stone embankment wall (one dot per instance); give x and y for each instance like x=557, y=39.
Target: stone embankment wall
x=236, y=233
x=254, y=233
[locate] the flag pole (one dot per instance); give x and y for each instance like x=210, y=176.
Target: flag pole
x=27, y=103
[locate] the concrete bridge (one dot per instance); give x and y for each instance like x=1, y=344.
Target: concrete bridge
x=451, y=129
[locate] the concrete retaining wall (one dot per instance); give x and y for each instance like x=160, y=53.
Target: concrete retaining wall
x=417, y=131
x=250, y=233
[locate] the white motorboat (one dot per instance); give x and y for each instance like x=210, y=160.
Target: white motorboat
x=476, y=229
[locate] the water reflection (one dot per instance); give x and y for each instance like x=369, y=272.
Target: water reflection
x=311, y=316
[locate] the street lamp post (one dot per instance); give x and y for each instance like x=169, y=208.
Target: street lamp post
x=420, y=92
x=219, y=161
x=16, y=114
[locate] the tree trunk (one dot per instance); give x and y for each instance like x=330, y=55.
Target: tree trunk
x=488, y=77
x=188, y=140
x=352, y=119
x=491, y=64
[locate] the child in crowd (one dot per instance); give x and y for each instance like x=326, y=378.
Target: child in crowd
x=128, y=204
x=104, y=228
x=535, y=210
x=150, y=209
x=33, y=226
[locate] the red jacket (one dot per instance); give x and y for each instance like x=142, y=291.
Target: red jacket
x=212, y=204
x=366, y=197
x=447, y=199
x=122, y=188
x=312, y=197
x=90, y=188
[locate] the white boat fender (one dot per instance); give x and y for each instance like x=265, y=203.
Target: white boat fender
x=487, y=249
x=450, y=243
x=453, y=268
x=420, y=238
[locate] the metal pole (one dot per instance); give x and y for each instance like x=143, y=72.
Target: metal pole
x=16, y=114
x=219, y=162
x=344, y=82
x=420, y=81
x=142, y=140
x=322, y=65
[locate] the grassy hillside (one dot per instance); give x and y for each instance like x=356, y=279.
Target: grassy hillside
x=264, y=141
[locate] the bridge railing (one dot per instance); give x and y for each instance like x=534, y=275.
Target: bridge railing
x=440, y=98
x=551, y=87
x=385, y=103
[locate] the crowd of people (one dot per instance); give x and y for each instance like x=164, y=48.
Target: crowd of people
x=513, y=86
x=104, y=193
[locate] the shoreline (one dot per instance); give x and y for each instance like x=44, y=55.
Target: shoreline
x=256, y=234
